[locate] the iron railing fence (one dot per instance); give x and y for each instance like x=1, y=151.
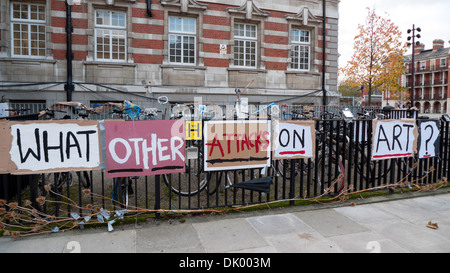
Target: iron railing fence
x=341, y=165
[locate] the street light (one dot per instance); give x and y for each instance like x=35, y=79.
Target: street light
x=414, y=43
x=69, y=87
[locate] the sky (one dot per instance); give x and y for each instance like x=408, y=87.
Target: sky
x=430, y=15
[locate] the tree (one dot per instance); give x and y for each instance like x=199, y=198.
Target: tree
x=350, y=91
x=377, y=60
x=394, y=69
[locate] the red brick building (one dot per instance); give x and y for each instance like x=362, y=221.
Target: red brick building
x=175, y=48
x=431, y=78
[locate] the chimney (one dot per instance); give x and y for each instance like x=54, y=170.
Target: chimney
x=438, y=44
x=419, y=48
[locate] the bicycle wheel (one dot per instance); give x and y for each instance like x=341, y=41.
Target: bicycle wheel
x=216, y=178
x=84, y=179
x=121, y=190
x=375, y=169
x=331, y=173
x=285, y=166
x=192, y=181
x=60, y=179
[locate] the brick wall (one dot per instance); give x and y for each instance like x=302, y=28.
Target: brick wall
x=147, y=45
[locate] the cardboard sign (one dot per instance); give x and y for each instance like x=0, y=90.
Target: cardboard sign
x=6, y=166
x=429, y=138
x=394, y=138
x=236, y=144
x=294, y=139
x=147, y=147
x=49, y=146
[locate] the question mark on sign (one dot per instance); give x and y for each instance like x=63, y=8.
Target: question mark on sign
x=429, y=139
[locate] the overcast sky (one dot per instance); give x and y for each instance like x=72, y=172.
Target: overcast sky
x=432, y=16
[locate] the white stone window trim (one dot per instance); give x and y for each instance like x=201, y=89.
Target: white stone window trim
x=300, y=44
x=29, y=22
x=110, y=28
x=246, y=39
x=183, y=35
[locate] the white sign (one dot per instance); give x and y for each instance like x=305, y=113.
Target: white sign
x=223, y=49
x=394, y=138
x=40, y=146
x=428, y=138
x=294, y=139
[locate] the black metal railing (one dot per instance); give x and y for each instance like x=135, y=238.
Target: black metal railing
x=342, y=163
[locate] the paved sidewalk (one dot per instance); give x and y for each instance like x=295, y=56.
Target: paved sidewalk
x=372, y=225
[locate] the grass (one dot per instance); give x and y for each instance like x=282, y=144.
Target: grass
x=143, y=216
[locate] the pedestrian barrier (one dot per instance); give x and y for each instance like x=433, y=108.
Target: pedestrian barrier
x=255, y=163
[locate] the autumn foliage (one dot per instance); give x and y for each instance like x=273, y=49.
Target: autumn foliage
x=377, y=61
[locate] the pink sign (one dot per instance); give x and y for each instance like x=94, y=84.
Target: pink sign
x=147, y=147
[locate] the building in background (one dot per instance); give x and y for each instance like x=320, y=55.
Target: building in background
x=176, y=48
x=431, y=84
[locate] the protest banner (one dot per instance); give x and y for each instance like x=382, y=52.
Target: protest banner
x=394, y=138
x=147, y=147
x=294, y=139
x=51, y=146
x=236, y=144
x=429, y=138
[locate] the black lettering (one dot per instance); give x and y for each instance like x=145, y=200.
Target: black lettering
x=29, y=151
x=47, y=147
x=396, y=136
x=289, y=137
x=87, y=133
x=70, y=136
x=301, y=139
x=381, y=130
x=408, y=126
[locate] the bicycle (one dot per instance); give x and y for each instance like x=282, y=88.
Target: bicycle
x=63, y=178
x=122, y=188
x=18, y=112
x=327, y=168
x=194, y=180
x=149, y=114
x=370, y=171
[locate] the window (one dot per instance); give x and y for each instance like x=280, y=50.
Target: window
x=182, y=40
x=28, y=30
x=443, y=62
x=110, y=35
x=245, y=40
x=423, y=65
x=301, y=48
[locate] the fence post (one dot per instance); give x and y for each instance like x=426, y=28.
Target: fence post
x=292, y=184
x=157, y=195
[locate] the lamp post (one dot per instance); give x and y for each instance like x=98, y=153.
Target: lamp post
x=324, y=90
x=414, y=43
x=69, y=87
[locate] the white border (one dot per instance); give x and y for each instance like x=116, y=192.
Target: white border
x=252, y=166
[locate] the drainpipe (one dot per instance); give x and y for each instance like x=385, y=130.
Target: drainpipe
x=324, y=99
x=69, y=87
x=149, y=8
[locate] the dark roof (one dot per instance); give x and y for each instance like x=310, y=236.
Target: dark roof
x=429, y=54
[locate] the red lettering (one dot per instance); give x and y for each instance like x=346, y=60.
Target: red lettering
x=229, y=137
x=245, y=141
x=214, y=144
x=265, y=134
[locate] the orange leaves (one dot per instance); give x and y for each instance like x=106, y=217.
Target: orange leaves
x=377, y=60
